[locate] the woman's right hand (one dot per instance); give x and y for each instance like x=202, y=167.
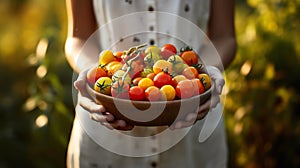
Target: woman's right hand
x=97, y=111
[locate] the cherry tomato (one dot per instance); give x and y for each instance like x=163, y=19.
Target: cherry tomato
x=190, y=57
x=134, y=67
x=151, y=75
x=175, y=59
x=205, y=80
x=113, y=67
x=152, y=93
x=105, y=57
x=190, y=72
x=136, y=80
x=198, y=86
x=185, y=89
x=176, y=79
x=162, y=65
x=145, y=72
x=145, y=83
x=168, y=92
x=168, y=50
x=136, y=93
x=120, y=75
x=120, y=89
x=118, y=55
x=103, y=85
x=94, y=74
x=151, y=58
x=162, y=79
x=178, y=64
x=152, y=49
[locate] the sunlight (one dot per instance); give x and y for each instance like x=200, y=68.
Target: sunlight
x=41, y=120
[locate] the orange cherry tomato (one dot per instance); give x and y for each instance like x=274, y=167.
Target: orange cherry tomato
x=94, y=74
x=190, y=72
x=118, y=55
x=190, y=57
x=153, y=93
x=151, y=75
x=136, y=80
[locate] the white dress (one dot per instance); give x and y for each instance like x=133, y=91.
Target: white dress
x=92, y=145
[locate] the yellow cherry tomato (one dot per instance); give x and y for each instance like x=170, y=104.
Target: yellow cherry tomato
x=205, y=80
x=168, y=92
x=105, y=57
x=162, y=65
x=113, y=67
x=103, y=85
x=152, y=49
x=145, y=83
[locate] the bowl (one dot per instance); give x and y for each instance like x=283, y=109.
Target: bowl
x=146, y=113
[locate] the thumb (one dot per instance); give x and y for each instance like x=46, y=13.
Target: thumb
x=217, y=77
x=80, y=82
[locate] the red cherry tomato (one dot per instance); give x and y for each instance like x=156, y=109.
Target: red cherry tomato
x=185, y=89
x=120, y=89
x=136, y=93
x=168, y=50
x=162, y=79
x=198, y=86
x=94, y=74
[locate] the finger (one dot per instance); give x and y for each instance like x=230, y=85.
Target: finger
x=90, y=105
x=210, y=103
x=205, y=105
x=181, y=124
x=80, y=82
x=219, y=82
x=201, y=115
x=191, y=116
x=118, y=124
x=98, y=117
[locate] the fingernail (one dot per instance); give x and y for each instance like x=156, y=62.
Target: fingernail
x=191, y=117
x=110, y=118
x=122, y=123
x=178, y=125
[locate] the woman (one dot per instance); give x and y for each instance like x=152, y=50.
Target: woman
x=215, y=17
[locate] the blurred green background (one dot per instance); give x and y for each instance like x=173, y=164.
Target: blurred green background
x=262, y=109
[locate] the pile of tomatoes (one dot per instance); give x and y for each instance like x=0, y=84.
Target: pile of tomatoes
x=149, y=73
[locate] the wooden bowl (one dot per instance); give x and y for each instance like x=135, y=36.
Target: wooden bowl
x=145, y=113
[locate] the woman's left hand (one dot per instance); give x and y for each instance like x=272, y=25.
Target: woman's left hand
x=218, y=80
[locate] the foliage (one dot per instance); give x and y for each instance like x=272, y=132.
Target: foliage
x=36, y=103
x=262, y=85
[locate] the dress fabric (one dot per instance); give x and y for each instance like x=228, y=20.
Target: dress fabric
x=84, y=151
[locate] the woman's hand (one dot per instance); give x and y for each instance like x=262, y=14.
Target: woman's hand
x=97, y=111
x=218, y=80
